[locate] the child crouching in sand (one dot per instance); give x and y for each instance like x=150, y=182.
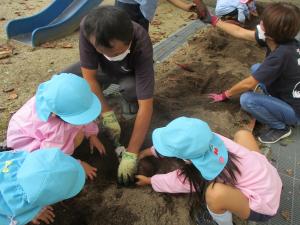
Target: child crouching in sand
x=230, y=177
x=30, y=182
x=60, y=115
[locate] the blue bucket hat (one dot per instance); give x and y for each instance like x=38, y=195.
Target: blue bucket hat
x=191, y=139
x=69, y=97
x=31, y=181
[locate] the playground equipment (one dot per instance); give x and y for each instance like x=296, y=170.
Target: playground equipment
x=59, y=19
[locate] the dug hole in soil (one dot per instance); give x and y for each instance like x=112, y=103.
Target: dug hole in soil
x=218, y=61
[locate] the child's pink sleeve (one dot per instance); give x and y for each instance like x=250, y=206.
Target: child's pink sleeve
x=59, y=134
x=170, y=183
x=90, y=129
x=61, y=137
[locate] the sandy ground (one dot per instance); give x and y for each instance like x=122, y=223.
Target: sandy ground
x=217, y=62
x=30, y=66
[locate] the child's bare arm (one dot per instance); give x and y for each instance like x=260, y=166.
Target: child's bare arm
x=182, y=5
x=143, y=180
x=236, y=31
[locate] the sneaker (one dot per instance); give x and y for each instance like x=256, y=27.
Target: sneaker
x=274, y=135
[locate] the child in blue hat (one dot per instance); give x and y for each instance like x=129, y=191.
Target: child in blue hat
x=30, y=182
x=230, y=177
x=236, y=10
x=60, y=115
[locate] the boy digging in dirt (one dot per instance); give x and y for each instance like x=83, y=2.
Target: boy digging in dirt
x=236, y=10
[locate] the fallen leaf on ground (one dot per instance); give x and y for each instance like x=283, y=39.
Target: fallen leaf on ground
x=2, y=19
x=185, y=67
x=286, y=215
x=5, y=54
x=155, y=23
x=18, y=13
x=12, y=96
x=289, y=172
x=5, y=51
x=193, y=16
x=5, y=62
x=48, y=45
x=67, y=45
x=8, y=89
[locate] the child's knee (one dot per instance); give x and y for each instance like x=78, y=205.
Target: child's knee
x=214, y=195
x=240, y=135
x=245, y=100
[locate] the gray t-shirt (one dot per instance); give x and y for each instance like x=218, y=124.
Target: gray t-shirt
x=138, y=63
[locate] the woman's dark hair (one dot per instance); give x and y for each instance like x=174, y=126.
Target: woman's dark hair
x=107, y=23
x=199, y=184
x=281, y=21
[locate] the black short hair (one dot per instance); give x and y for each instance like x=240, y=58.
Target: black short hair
x=107, y=23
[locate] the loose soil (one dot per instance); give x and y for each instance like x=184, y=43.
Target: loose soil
x=217, y=62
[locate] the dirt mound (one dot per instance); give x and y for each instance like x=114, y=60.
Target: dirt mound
x=217, y=61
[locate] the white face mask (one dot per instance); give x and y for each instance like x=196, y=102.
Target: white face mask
x=261, y=33
x=118, y=57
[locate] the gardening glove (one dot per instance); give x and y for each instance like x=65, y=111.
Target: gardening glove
x=218, y=97
x=112, y=126
x=127, y=168
x=119, y=152
x=210, y=19
x=201, y=9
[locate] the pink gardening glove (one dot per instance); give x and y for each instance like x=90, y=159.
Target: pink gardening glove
x=211, y=19
x=218, y=97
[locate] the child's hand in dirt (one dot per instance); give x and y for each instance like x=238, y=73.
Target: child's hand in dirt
x=190, y=7
x=145, y=153
x=90, y=172
x=142, y=180
x=46, y=215
x=96, y=143
x=218, y=97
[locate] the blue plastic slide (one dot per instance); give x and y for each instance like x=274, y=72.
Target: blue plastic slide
x=59, y=19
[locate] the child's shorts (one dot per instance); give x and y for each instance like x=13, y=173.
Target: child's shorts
x=135, y=13
x=258, y=217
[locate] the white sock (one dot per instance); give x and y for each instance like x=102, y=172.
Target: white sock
x=222, y=219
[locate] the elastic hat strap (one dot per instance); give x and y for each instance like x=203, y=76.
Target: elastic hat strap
x=12, y=221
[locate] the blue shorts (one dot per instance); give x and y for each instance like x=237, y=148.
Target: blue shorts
x=258, y=217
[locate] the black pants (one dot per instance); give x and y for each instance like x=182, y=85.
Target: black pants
x=231, y=16
x=135, y=13
x=127, y=86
